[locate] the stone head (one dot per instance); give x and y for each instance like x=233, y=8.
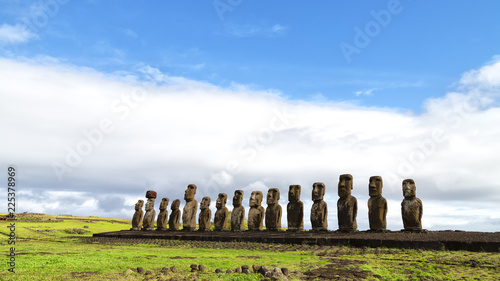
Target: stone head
x=139, y=205
x=256, y=198
x=409, y=189
x=175, y=205
x=294, y=193
x=238, y=198
x=164, y=203
x=190, y=192
x=375, y=186
x=318, y=191
x=150, y=204
x=345, y=185
x=205, y=203
x=273, y=195
x=221, y=201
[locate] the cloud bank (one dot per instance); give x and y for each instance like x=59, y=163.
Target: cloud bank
x=90, y=143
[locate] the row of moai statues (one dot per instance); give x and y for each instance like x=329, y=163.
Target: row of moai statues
x=347, y=208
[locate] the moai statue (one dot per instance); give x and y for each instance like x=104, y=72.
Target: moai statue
x=175, y=216
x=220, y=220
x=162, y=220
x=149, y=218
x=256, y=213
x=273, y=210
x=377, y=205
x=137, y=218
x=319, y=210
x=411, y=207
x=347, y=205
x=238, y=214
x=295, y=209
x=190, y=209
x=205, y=215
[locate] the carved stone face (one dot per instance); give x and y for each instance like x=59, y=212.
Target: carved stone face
x=409, y=189
x=190, y=192
x=164, y=204
x=150, y=204
x=375, y=186
x=345, y=185
x=273, y=195
x=139, y=205
x=238, y=198
x=318, y=191
x=175, y=205
x=294, y=193
x=256, y=199
x=221, y=201
x=205, y=203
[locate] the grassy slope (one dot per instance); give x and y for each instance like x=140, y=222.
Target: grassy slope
x=44, y=252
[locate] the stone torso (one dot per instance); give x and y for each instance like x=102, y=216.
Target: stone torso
x=189, y=215
x=137, y=220
x=204, y=219
x=162, y=220
x=319, y=212
x=295, y=215
x=412, y=213
x=273, y=217
x=347, y=209
x=377, y=210
x=237, y=218
x=173, y=221
x=220, y=220
x=149, y=220
x=256, y=218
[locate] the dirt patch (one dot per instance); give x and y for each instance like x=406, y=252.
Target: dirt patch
x=249, y=257
x=178, y=258
x=84, y=274
x=338, y=269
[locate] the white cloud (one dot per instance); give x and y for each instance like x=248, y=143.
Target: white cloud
x=257, y=29
x=173, y=132
x=15, y=34
x=367, y=92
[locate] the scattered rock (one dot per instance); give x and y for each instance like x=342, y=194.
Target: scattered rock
x=201, y=268
x=140, y=270
x=246, y=271
x=165, y=270
x=238, y=270
x=194, y=267
x=148, y=272
x=229, y=271
x=128, y=271
x=219, y=270
x=284, y=270
x=245, y=267
x=263, y=270
x=276, y=275
x=256, y=268
x=173, y=269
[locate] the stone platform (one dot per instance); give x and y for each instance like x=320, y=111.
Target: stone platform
x=431, y=240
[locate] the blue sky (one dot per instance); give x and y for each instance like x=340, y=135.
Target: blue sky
x=293, y=48
x=103, y=100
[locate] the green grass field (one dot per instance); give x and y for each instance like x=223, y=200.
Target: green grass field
x=47, y=250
